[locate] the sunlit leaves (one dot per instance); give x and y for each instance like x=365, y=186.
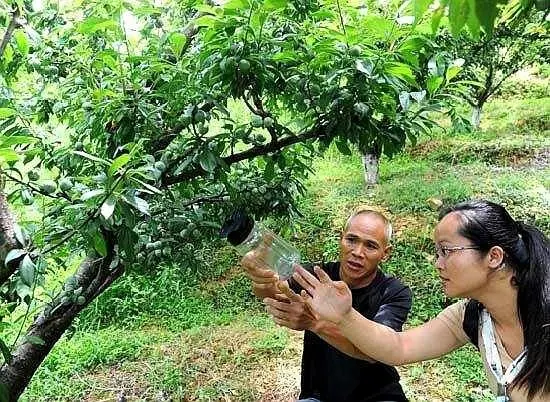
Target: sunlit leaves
x=93, y=24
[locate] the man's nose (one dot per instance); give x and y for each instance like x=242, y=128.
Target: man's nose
x=358, y=250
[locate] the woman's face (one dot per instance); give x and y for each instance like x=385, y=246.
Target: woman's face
x=462, y=269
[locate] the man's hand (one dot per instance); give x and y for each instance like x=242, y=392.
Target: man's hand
x=289, y=310
x=264, y=280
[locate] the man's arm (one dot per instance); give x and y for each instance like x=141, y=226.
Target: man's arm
x=330, y=333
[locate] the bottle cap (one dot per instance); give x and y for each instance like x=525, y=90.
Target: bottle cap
x=237, y=227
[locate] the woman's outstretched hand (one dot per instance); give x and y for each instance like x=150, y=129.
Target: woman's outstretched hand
x=327, y=299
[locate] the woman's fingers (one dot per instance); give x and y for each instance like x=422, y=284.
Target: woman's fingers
x=305, y=279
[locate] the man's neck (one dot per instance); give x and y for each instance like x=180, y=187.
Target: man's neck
x=360, y=282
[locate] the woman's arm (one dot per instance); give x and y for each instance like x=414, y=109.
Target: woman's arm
x=428, y=341
x=332, y=301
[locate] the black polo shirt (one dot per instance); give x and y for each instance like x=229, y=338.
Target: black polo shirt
x=332, y=376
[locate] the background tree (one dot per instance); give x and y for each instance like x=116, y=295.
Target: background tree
x=489, y=62
x=120, y=144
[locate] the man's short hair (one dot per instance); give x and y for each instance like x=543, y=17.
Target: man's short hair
x=365, y=210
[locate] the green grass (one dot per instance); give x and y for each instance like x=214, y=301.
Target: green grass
x=195, y=332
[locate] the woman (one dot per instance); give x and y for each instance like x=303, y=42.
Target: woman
x=503, y=267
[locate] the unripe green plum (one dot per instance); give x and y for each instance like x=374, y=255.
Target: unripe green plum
x=48, y=187
x=257, y=121
x=355, y=51
x=244, y=66
x=65, y=184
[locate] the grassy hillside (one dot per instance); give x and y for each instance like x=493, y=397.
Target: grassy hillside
x=178, y=335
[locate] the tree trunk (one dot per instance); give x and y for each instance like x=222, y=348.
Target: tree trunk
x=476, y=116
x=94, y=275
x=7, y=239
x=371, y=160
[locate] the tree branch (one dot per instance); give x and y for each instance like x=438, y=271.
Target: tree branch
x=13, y=25
x=315, y=132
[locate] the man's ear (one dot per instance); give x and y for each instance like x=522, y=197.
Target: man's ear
x=495, y=257
x=387, y=253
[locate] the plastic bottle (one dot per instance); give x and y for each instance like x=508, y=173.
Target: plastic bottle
x=246, y=235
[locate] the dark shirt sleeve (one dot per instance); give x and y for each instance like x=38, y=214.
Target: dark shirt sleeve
x=395, y=306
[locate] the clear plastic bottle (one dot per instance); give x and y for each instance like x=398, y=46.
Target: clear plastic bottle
x=246, y=235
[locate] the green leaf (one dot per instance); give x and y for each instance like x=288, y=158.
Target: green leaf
x=14, y=254
x=399, y=70
x=472, y=22
x=342, y=145
x=236, y=5
x=20, y=235
x=92, y=157
x=365, y=66
x=486, y=12
x=118, y=163
x=177, y=42
x=99, y=243
x=6, y=112
x=138, y=203
x=5, y=352
x=206, y=21
x=27, y=270
x=108, y=207
x=287, y=55
x=148, y=187
x=22, y=289
x=434, y=83
x=405, y=100
x=8, y=155
x=34, y=340
x=4, y=392
x=275, y=4
x=127, y=239
x=452, y=72
x=91, y=194
x=16, y=140
x=420, y=7
x=269, y=171
x=94, y=24
x=21, y=41
x=418, y=96
x=458, y=14
x=208, y=161
x=436, y=18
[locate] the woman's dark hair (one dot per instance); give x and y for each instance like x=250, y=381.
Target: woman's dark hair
x=527, y=252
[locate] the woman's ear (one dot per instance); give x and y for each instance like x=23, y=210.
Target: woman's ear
x=495, y=257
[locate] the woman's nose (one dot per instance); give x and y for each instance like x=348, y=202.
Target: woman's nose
x=439, y=262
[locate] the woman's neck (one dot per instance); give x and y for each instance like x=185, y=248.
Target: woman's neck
x=500, y=299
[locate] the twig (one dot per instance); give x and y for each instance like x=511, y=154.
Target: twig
x=13, y=25
x=15, y=179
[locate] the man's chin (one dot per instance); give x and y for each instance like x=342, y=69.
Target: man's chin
x=353, y=274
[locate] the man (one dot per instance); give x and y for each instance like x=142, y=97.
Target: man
x=333, y=369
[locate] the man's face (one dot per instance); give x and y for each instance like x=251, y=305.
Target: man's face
x=362, y=247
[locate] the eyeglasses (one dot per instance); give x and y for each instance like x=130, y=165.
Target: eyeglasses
x=443, y=252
